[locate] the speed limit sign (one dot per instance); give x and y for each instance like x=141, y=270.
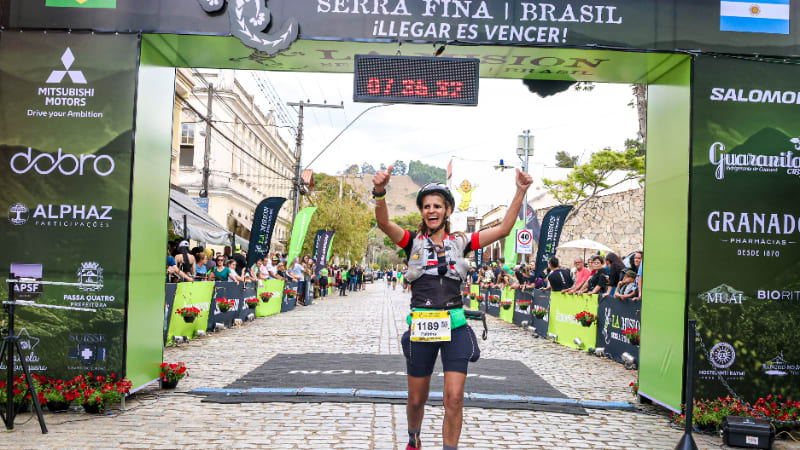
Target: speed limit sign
x=524, y=242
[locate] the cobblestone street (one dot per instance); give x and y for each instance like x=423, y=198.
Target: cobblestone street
x=375, y=319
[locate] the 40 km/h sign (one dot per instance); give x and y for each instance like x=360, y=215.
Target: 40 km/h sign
x=524, y=242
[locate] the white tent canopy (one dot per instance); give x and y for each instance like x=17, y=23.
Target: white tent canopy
x=201, y=227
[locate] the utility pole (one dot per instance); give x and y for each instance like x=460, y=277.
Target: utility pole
x=298, y=182
x=525, y=148
x=207, y=154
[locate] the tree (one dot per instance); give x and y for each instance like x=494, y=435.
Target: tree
x=350, y=241
x=399, y=168
x=410, y=222
x=366, y=168
x=352, y=169
x=640, y=103
x=422, y=173
x=383, y=167
x=589, y=180
x=565, y=161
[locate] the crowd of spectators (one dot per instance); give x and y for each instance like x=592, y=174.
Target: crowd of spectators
x=607, y=275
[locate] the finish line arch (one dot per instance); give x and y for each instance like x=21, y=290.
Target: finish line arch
x=707, y=85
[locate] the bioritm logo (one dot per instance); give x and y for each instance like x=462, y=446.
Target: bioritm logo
x=67, y=87
x=61, y=216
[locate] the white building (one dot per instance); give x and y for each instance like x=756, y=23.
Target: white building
x=249, y=160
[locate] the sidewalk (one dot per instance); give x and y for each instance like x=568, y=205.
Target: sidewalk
x=370, y=321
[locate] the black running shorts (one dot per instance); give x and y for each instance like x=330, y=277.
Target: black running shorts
x=456, y=354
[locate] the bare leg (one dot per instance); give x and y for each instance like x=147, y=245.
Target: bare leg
x=418, y=388
x=453, y=407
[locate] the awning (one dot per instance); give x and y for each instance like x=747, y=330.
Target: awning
x=202, y=227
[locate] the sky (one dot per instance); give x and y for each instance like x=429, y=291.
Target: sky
x=577, y=122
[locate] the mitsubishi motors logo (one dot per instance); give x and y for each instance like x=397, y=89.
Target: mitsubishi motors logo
x=75, y=75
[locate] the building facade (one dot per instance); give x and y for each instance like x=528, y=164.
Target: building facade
x=248, y=159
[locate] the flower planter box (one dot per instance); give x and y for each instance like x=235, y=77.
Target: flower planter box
x=189, y=319
x=58, y=406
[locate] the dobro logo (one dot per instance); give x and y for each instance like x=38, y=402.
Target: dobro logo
x=66, y=163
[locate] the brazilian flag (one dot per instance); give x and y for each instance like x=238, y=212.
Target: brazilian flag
x=112, y=4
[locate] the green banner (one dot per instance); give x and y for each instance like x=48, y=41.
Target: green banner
x=510, y=245
x=273, y=306
x=197, y=294
x=507, y=297
x=744, y=277
x=299, y=230
x=66, y=149
x=111, y=4
x=563, y=309
x=474, y=303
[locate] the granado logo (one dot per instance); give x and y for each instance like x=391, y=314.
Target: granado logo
x=66, y=163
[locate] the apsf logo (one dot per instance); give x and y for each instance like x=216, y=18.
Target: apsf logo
x=66, y=163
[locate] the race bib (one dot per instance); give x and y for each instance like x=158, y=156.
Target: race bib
x=430, y=326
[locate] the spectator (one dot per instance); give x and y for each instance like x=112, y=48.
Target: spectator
x=582, y=275
x=599, y=279
x=184, y=260
x=488, y=278
x=296, y=274
x=280, y=272
x=559, y=278
x=174, y=274
x=226, y=252
x=616, y=269
x=209, y=260
x=220, y=271
x=233, y=276
x=200, y=269
x=639, y=277
x=241, y=261
x=323, y=282
x=627, y=287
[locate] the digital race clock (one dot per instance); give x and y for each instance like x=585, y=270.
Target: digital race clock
x=415, y=79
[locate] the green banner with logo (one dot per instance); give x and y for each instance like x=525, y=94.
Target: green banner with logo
x=187, y=295
x=299, y=230
x=563, y=309
x=83, y=3
x=510, y=245
x=273, y=305
x=744, y=262
x=65, y=161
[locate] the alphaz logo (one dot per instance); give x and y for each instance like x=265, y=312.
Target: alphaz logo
x=65, y=163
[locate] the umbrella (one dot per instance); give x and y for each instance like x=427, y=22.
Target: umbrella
x=586, y=244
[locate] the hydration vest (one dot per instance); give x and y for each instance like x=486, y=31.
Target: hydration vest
x=423, y=259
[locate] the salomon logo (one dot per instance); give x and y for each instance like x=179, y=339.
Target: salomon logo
x=66, y=163
x=75, y=75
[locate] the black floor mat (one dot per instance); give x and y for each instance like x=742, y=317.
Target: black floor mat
x=311, y=377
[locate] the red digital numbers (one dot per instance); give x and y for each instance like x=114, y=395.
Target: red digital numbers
x=414, y=88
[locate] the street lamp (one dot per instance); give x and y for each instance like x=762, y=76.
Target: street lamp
x=525, y=149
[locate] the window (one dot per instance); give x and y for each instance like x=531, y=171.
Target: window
x=186, y=158
x=187, y=134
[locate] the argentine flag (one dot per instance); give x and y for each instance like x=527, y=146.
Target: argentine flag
x=770, y=16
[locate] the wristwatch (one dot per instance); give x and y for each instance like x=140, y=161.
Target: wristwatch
x=378, y=195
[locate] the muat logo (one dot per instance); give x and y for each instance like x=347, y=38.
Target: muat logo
x=18, y=214
x=91, y=275
x=724, y=295
x=76, y=76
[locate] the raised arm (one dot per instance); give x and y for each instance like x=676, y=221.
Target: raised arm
x=394, y=231
x=500, y=231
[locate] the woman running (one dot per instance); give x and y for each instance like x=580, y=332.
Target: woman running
x=436, y=268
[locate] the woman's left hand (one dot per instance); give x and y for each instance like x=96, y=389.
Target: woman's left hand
x=524, y=180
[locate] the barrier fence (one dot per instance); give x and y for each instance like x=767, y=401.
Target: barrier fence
x=552, y=315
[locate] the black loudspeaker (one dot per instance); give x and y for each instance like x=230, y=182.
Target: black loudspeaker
x=747, y=432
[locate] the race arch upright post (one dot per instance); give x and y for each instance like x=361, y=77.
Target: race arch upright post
x=721, y=150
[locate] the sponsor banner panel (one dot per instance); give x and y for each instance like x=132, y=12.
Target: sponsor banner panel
x=226, y=290
x=169, y=300
x=541, y=301
x=289, y=303
x=613, y=317
x=491, y=308
x=264, y=219
x=507, y=298
x=549, y=235
x=197, y=294
x=65, y=161
x=299, y=229
x=248, y=290
x=522, y=307
x=562, y=323
x=274, y=305
x=744, y=287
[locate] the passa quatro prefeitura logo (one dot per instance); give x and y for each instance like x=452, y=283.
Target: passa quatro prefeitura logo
x=66, y=163
x=61, y=216
x=65, y=87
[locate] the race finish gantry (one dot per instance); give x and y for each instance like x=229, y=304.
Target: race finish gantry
x=87, y=90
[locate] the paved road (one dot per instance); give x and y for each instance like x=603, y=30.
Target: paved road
x=160, y=419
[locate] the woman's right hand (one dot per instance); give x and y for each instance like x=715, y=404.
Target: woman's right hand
x=381, y=179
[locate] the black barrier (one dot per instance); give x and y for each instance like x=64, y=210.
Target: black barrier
x=522, y=307
x=288, y=303
x=231, y=291
x=492, y=308
x=614, y=316
x=247, y=290
x=541, y=301
x=169, y=300
x=309, y=294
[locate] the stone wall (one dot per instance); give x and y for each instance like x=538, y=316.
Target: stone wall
x=616, y=220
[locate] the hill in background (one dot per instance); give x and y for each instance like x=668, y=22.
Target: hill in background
x=400, y=196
